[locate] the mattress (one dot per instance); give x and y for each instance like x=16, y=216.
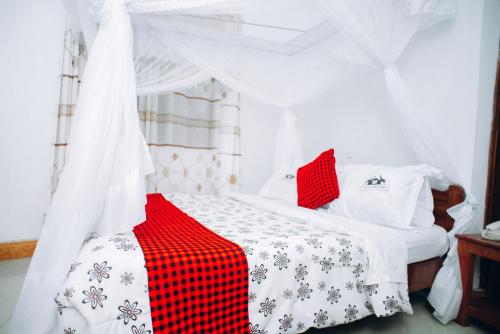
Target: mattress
x=424, y=243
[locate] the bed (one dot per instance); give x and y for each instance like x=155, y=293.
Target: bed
x=306, y=269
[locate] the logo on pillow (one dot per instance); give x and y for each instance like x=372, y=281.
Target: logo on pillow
x=289, y=176
x=375, y=183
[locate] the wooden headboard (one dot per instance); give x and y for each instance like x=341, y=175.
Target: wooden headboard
x=444, y=200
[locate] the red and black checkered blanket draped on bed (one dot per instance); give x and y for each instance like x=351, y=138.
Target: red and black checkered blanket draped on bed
x=198, y=281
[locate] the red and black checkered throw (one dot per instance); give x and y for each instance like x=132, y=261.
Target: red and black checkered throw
x=198, y=281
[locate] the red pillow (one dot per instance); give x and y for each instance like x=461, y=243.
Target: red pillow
x=317, y=182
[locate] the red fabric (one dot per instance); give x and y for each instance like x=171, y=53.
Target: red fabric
x=198, y=281
x=317, y=182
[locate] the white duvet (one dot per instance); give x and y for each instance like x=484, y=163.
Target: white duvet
x=306, y=269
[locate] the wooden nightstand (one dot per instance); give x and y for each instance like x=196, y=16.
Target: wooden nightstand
x=484, y=309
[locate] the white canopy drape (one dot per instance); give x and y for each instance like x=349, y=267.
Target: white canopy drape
x=375, y=33
x=102, y=187
x=180, y=43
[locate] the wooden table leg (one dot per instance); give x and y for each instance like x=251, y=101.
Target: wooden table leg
x=467, y=273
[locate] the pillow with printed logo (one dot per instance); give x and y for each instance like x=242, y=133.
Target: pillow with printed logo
x=282, y=185
x=317, y=183
x=383, y=195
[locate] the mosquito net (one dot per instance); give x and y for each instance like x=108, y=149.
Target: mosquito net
x=282, y=52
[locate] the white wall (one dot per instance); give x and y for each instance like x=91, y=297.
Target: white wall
x=258, y=131
x=489, y=54
x=31, y=37
x=354, y=118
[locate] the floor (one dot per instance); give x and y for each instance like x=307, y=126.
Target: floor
x=11, y=279
x=12, y=274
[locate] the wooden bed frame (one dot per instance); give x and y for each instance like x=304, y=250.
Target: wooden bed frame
x=422, y=274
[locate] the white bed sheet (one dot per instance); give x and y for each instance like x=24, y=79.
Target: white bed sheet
x=422, y=243
x=425, y=243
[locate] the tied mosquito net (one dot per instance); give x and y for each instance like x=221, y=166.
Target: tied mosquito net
x=281, y=52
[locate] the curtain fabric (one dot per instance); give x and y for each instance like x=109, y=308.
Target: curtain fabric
x=194, y=139
x=278, y=80
x=375, y=33
x=179, y=50
x=160, y=70
x=182, y=47
x=73, y=61
x=209, y=122
x=102, y=186
x=379, y=31
x=193, y=135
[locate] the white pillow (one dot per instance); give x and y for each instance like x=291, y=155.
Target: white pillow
x=382, y=195
x=424, y=216
x=281, y=185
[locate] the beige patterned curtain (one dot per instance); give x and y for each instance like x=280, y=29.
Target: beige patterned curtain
x=193, y=135
x=194, y=139
x=73, y=61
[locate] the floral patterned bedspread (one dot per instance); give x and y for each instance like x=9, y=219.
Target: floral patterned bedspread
x=301, y=276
